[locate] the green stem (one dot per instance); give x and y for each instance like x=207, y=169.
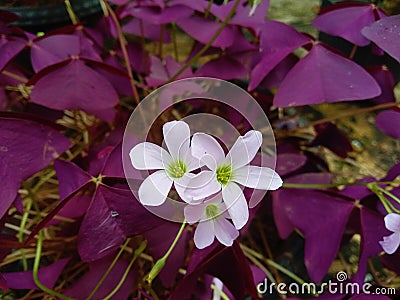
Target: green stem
x=330, y=185
x=137, y=253
x=108, y=270
x=159, y=265
x=208, y=45
x=36, y=271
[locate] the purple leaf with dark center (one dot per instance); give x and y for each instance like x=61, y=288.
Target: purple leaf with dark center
x=47, y=276
x=331, y=137
x=82, y=288
x=53, y=49
x=276, y=76
x=277, y=41
x=388, y=122
x=238, y=278
x=324, y=76
x=347, y=22
x=203, y=30
x=372, y=231
x=113, y=215
x=10, y=48
x=27, y=147
x=385, y=33
x=156, y=15
x=74, y=85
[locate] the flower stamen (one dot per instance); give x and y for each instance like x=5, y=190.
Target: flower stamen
x=224, y=174
x=212, y=211
x=177, y=169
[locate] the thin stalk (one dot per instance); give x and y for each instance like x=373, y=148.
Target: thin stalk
x=72, y=15
x=208, y=45
x=36, y=271
x=108, y=270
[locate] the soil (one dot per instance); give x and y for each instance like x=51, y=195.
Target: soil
x=31, y=3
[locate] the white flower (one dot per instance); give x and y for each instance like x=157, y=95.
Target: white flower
x=392, y=242
x=173, y=167
x=213, y=222
x=226, y=172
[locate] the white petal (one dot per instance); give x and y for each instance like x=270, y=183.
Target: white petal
x=154, y=189
x=236, y=203
x=244, y=149
x=202, y=186
x=204, y=234
x=392, y=222
x=177, y=138
x=391, y=243
x=255, y=177
x=193, y=213
x=204, y=144
x=149, y=156
x=225, y=232
x=180, y=186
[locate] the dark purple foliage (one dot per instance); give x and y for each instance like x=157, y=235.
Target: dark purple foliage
x=389, y=122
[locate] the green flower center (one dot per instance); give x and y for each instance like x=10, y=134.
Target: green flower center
x=212, y=211
x=224, y=174
x=177, y=169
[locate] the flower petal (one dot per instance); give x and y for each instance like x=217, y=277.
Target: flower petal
x=202, y=186
x=204, y=145
x=236, y=203
x=155, y=188
x=392, y=222
x=255, y=177
x=244, y=149
x=204, y=234
x=180, y=186
x=391, y=243
x=193, y=213
x=149, y=156
x=225, y=232
x=177, y=138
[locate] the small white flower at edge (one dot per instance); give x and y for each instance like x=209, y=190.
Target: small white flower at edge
x=213, y=222
x=392, y=242
x=173, y=166
x=226, y=172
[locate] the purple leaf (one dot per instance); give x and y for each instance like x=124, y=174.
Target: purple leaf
x=70, y=177
x=277, y=74
x=287, y=163
x=385, y=33
x=347, y=22
x=324, y=76
x=158, y=16
x=47, y=276
x=82, y=288
x=372, y=231
x=203, y=30
x=254, y=21
x=147, y=30
x=27, y=147
x=223, y=67
x=277, y=41
x=112, y=215
x=9, y=49
x=74, y=86
x=53, y=49
x=388, y=122
x=385, y=79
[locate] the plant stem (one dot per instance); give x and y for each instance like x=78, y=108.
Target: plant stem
x=137, y=253
x=208, y=45
x=36, y=270
x=71, y=13
x=108, y=270
x=160, y=263
x=330, y=185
